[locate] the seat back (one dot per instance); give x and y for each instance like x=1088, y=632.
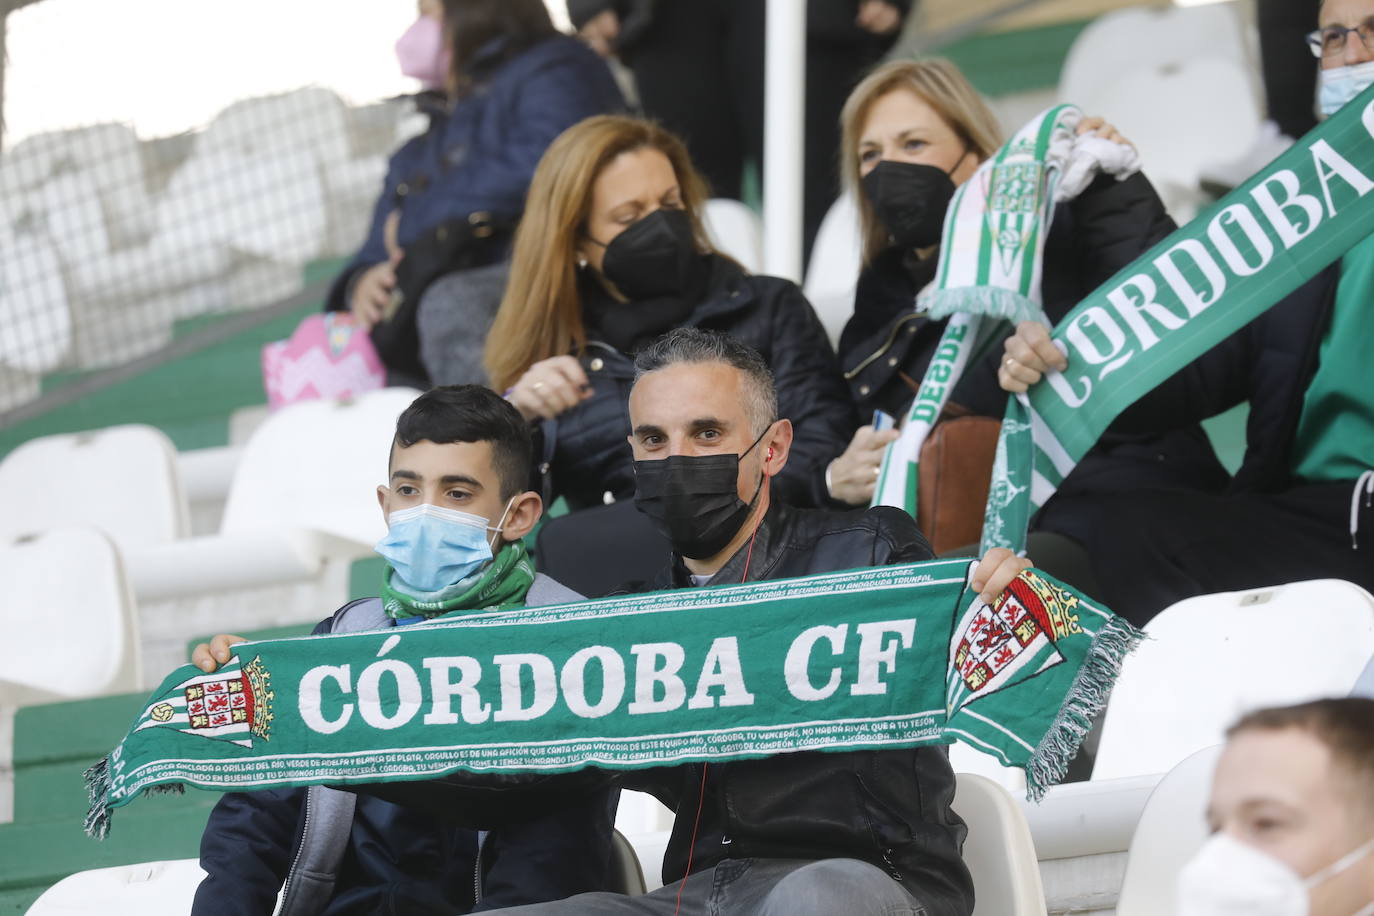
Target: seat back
x=1140, y=37
x=144, y=889
x=596, y=550
x=122, y=480
x=999, y=851
x=965, y=758
x=317, y=464
x=736, y=230
x=836, y=259
x=626, y=875
x=1210, y=659
x=1171, y=828
x=68, y=626
x=34, y=307
x=1210, y=100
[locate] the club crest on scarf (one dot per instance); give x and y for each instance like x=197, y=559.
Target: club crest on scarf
x=1014, y=203
x=995, y=645
x=234, y=704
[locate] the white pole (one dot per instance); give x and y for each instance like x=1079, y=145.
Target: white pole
x=783, y=111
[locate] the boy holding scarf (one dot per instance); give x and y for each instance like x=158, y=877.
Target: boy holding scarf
x=457, y=508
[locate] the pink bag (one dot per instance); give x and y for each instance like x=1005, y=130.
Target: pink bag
x=327, y=356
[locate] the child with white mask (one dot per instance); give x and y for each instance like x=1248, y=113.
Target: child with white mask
x=1292, y=814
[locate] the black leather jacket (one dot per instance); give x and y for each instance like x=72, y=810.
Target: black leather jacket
x=586, y=447
x=890, y=808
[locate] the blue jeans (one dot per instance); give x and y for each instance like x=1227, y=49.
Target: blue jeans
x=755, y=887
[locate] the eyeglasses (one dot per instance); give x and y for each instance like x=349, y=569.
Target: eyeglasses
x=1331, y=41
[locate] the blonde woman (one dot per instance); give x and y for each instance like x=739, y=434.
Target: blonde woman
x=612, y=253
x=913, y=131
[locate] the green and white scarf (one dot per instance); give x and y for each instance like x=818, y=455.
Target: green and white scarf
x=501, y=584
x=877, y=658
x=990, y=266
x=1178, y=300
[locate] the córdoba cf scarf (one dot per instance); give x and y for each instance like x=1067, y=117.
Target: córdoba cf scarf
x=990, y=265
x=875, y=658
x=1178, y=300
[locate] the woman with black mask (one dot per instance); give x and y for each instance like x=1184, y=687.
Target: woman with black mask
x=611, y=254
x=913, y=132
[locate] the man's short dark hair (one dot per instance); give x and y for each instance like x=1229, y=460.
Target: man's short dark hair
x=472, y=413
x=1344, y=725
x=693, y=345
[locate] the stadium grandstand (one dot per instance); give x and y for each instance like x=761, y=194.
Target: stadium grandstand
x=185, y=185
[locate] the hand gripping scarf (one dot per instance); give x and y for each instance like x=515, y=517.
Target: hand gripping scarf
x=1178, y=300
x=990, y=265
x=888, y=657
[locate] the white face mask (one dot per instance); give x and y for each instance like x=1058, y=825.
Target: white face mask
x=1341, y=84
x=1229, y=878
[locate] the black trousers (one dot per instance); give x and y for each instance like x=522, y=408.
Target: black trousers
x=1290, y=70
x=1155, y=547
x=699, y=71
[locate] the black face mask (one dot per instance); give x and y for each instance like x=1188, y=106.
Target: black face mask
x=910, y=199
x=693, y=500
x=656, y=256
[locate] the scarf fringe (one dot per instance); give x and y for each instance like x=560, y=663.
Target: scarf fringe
x=992, y=301
x=97, y=776
x=1086, y=698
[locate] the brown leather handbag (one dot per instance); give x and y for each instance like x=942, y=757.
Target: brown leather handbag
x=954, y=472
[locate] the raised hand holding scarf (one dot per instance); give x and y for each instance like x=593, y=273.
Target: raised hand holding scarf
x=990, y=265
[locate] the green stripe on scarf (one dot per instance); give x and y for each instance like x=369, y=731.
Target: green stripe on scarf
x=1181, y=298
x=503, y=584
x=889, y=657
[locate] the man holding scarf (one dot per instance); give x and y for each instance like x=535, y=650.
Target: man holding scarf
x=799, y=833
x=1299, y=500
x=457, y=509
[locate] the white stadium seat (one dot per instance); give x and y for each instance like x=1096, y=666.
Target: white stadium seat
x=73, y=218
x=312, y=119
x=333, y=452
x=999, y=851
x=966, y=759
x=1150, y=38
x=69, y=624
x=145, y=889
x=1172, y=828
x=1210, y=659
x=35, y=315
x=736, y=231
x=1209, y=100
x=834, y=270
x=302, y=495
x=121, y=480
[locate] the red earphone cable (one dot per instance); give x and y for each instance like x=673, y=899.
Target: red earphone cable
x=701, y=796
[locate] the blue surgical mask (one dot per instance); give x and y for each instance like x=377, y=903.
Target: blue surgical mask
x=431, y=547
x=1341, y=84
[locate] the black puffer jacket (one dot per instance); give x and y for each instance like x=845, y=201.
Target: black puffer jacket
x=889, y=808
x=587, y=447
x=1092, y=237
x=1269, y=363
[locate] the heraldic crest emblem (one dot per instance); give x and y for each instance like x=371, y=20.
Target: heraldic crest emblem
x=233, y=704
x=996, y=645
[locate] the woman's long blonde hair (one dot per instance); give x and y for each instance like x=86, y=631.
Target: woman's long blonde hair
x=939, y=84
x=541, y=314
